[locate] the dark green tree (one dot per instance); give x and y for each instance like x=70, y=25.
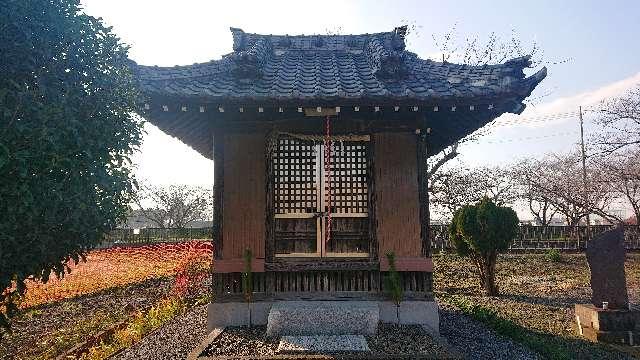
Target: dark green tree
x=66, y=137
x=480, y=232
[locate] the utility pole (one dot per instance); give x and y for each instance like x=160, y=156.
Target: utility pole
x=584, y=175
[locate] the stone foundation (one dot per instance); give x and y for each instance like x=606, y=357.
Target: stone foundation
x=423, y=313
x=611, y=326
x=221, y=315
x=411, y=313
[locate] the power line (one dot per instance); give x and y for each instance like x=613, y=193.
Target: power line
x=516, y=120
x=523, y=120
x=526, y=138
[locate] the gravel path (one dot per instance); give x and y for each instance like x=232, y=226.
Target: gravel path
x=390, y=339
x=475, y=341
x=472, y=339
x=174, y=340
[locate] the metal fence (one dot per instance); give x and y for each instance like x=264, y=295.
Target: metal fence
x=137, y=237
x=532, y=238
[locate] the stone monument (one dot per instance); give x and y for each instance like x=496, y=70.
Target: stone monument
x=609, y=317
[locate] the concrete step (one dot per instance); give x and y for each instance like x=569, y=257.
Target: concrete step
x=322, y=344
x=323, y=318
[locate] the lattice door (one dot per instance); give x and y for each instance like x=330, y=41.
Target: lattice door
x=320, y=202
x=346, y=200
x=296, y=197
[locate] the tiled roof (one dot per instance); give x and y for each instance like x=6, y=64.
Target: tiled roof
x=349, y=68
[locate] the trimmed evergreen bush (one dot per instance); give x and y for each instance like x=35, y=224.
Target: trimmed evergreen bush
x=480, y=232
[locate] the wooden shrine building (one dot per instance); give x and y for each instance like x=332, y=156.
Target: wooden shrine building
x=320, y=146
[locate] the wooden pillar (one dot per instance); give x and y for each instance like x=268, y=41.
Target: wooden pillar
x=423, y=190
x=371, y=192
x=270, y=145
x=218, y=191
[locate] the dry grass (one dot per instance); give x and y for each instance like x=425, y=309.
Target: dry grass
x=109, y=288
x=537, y=295
x=111, y=268
x=46, y=331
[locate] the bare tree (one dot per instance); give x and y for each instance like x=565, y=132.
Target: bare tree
x=472, y=51
x=455, y=187
x=620, y=119
x=525, y=175
x=621, y=171
x=555, y=182
x=451, y=189
x=174, y=206
x=494, y=50
x=495, y=183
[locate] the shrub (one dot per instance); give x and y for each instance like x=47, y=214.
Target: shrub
x=247, y=277
x=67, y=134
x=480, y=232
x=191, y=274
x=392, y=283
x=553, y=255
x=247, y=281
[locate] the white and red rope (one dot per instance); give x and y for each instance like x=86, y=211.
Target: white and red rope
x=327, y=171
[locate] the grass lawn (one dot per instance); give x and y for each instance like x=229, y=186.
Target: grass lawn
x=97, y=294
x=535, y=306
x=536, y=302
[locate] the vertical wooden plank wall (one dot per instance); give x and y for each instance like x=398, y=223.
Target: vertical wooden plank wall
x=244, y=195
x=397, y=200
x=217, y=138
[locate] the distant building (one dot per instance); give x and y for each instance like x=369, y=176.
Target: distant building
x=198, y=224
x=137, y=220
x=556, y=221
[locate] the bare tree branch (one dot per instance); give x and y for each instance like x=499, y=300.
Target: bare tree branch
x=453, y=188
x=174, y=206
x=620, y=122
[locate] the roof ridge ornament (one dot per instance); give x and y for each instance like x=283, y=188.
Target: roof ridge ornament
x=249, y=62
x=398, y=40
x=239, y=39
x=521, y=61
x=386, y=63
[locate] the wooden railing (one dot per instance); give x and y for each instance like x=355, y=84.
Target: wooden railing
x=321, y=284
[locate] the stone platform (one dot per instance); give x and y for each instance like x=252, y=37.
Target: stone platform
x=620, y=327
x=322, y=344
x=424, y=313
x=323, y=318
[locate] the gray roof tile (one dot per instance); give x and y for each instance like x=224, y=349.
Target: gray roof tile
x=273, y=67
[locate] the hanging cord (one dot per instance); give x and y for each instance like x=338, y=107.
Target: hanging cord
x=327, y=171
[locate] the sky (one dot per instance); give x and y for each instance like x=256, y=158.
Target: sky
x=590, y=49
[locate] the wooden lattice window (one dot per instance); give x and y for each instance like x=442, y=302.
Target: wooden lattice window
x=349, y=192
x=313, y=198
x=296, y=171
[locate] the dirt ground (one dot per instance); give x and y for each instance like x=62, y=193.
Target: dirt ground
x=46, y=331
x=536, y=293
